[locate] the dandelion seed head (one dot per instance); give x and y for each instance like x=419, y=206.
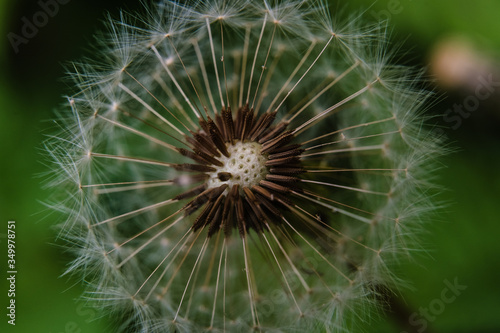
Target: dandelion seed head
x=241, y=166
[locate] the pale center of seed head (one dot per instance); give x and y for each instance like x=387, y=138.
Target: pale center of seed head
x=245, y=166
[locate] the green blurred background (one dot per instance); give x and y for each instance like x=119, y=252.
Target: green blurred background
x=457, y=41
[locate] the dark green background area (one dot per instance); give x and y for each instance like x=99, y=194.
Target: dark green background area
x=461, y=244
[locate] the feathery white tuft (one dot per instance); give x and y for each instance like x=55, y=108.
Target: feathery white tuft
x=311, y=248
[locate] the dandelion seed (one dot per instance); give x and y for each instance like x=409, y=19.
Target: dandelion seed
x=242, y=166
